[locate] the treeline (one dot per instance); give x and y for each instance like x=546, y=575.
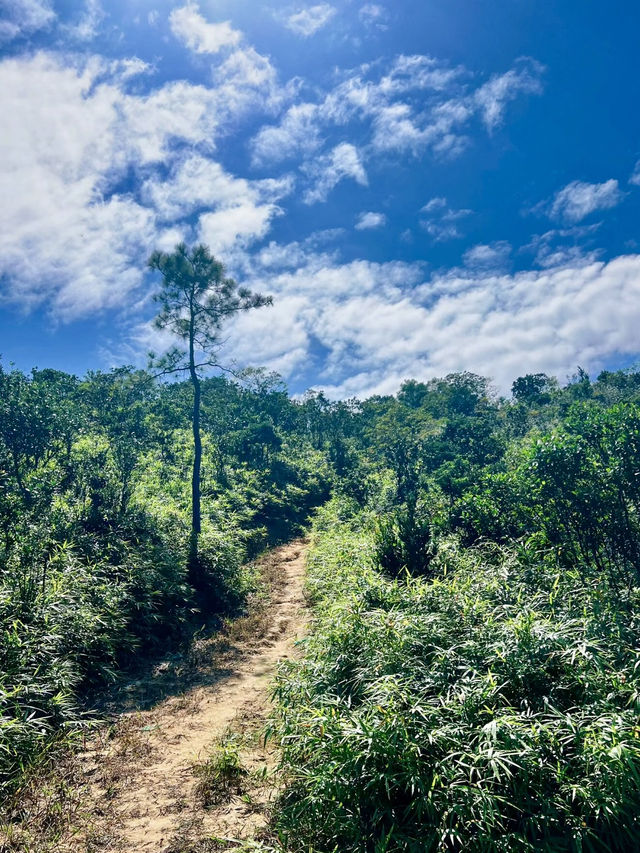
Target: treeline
x=95, y=502
x=472, y=679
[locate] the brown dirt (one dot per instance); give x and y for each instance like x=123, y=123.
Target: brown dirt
x=143, y=777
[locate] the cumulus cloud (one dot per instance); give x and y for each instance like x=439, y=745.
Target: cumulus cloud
x=382, y=323
x=197, y=34
x=70, y=236
x=198, y=183
x=306, y=22
x=441, y=221
x=416, y=104
x=23, y=17
x=342, y=162
x=369, y=220
x=297, y=132
x=247, y=81
x=578, y=199
x=395, y=129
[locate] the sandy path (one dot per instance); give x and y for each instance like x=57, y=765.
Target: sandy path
x=142, y=785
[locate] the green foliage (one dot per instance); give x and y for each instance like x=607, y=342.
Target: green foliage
x=472, y=679
x=95, y=504
x=491, y=709
x=404, y=542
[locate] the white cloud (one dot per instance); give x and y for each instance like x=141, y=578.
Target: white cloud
x=247, y=81
x=67, y=238
x=240, y=224
x=415, y=71
x=342, y=162
x=370, y=220
x=563, y=246
x=197, y=183
x=23, y=17
x=396, y=128
x=87, y=26
x=373, y=15
x=487, y=256
x=306, y=22
x=635, y=175
x=297, y=132
x=494, y=95
x=435, y=205
x=314, y=252
x=440, y=221
x=579, y=198
x=382, y=323
x=196, y=33
x=417, y=104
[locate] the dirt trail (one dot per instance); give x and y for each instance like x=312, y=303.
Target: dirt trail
x=142, y=786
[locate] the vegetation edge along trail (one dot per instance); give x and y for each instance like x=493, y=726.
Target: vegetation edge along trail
x=174, y=774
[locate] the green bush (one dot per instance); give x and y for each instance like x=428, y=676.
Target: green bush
x=475, y=712
x=404, y=542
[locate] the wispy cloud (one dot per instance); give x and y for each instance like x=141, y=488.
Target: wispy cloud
x=488, y=256
x=578, y=199
x=326, y=172
x=23, y=17
x=558, y=247
x=441, y=221
x=493, y=96
x=89, y=22
x=198, y=34
x=635, y=175
x=373, y=15
x=369, y=220
x=306, y=22
x=416, y=105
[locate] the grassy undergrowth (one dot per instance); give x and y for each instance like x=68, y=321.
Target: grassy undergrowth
x=493, y=708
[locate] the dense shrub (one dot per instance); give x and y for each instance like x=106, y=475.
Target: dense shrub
x=404, y=542
x=475, y=712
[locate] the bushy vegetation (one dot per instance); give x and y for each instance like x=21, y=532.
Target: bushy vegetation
x=472, y=679
x=473, y=676
x=95, y=527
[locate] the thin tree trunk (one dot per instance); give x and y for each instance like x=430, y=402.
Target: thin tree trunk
x=197, y=458
x=195, y=571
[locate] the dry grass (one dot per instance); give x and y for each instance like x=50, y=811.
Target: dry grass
x=222, y=775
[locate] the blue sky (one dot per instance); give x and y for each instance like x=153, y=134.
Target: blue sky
x=424, y=187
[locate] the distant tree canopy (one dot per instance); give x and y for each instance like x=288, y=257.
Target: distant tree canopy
x=534, y=388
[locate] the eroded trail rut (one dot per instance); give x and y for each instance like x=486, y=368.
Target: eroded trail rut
x=142, y=785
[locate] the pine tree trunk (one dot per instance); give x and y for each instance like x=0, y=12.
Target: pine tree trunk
x=195, y=569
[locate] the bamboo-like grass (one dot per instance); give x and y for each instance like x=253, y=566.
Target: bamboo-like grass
x=494, y=708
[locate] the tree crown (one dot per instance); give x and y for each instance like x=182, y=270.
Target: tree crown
x=195, y=299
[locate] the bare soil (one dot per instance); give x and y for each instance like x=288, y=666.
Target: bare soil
x=144, y=783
